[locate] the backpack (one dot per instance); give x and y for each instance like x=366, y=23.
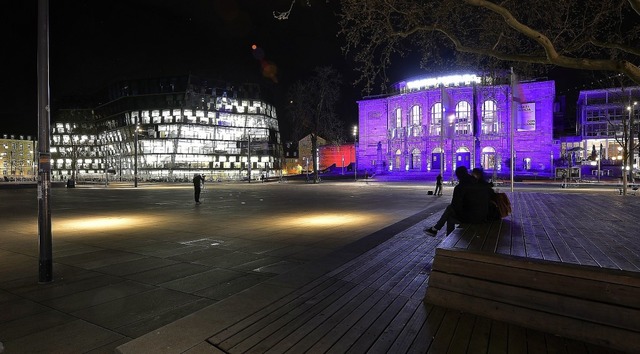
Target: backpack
x=501, y=203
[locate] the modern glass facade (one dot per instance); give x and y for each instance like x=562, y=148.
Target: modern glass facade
x=604, y=116
x=437, y=124
x=167, y=130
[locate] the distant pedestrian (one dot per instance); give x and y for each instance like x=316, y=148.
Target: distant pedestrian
x=438, y=190
x=564, y=179
x=197, y=186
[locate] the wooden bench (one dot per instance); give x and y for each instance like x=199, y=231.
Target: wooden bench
x=591, y=304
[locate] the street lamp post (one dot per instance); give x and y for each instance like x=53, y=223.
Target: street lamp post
x=355, y=152
x=45, y=246
x=135, y=156
x=307, y=167
x=630, y=154
x=249, y=157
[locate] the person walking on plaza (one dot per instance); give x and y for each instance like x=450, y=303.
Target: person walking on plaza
x=469, y=204
x=438, y=190
x=197, y=186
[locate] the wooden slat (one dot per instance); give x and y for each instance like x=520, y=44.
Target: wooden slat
x=379, y=326
x=517, y=339
x=392, y=332
x=428, y=331
x=299, y=339
x=284, y=323
x=498, y=340
x=409, y=333
x=612, y=276
x=547, y=281
x=479, y=341
x=590, y=332
x=462, y=334
x=358, y=328
x=536, y=300
x=343, y=323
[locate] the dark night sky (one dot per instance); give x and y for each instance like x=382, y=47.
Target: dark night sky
x=93, y=43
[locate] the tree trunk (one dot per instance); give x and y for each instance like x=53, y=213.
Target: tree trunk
x=314, y=156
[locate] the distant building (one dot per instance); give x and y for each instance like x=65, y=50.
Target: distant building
x=340, y=158
x=437, y=124
x=291, y=160
x=168, y=129
x=602, y=116
x=17, y=159
x=305, y=152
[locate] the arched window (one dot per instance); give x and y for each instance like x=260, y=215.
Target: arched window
x=395, y=123
x=416, y=160
x=463, y=118
x=436, y=119
x=398, y=118
x=416, y=118
x=490, y=117
x=489, y=159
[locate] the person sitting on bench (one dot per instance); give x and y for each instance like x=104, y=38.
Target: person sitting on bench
x=469, y=204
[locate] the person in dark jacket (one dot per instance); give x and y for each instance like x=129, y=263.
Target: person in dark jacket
x=438, y=190
x=469, y=204
x=197, y=186
x=493, y=212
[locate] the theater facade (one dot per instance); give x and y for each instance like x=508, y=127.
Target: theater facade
x=436, y=124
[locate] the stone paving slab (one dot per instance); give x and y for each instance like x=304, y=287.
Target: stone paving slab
x=128, y=261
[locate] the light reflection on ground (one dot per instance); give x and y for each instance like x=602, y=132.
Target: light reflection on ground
x=101, y=223
x=327, y=219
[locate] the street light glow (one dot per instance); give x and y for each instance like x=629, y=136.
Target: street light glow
x=322, y=220
x=103, y=223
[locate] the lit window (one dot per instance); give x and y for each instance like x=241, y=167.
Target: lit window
x=489, y=117
x=416, y=117
x=463, y=118
x=436, y=119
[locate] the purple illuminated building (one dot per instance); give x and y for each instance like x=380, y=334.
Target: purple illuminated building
x=404, y=132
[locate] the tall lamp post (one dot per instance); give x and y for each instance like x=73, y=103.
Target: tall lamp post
x=45, y=246
x=135, y=155
x=355, y=152
x=630, y=149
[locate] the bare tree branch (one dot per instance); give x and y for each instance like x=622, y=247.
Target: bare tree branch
x=597, y=35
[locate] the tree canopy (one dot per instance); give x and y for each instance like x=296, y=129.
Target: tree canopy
x=311, y=109
x=597, y=35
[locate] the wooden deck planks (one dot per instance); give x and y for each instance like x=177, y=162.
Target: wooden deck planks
x=373, y=303
x=343, y=323
x=310, y=334
x=479, y=341
x=393, y=330
x=408, y=335
x=462, y=334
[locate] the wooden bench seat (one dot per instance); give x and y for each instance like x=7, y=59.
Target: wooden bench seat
x=592, y=304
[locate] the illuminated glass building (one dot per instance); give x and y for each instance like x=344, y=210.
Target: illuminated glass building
x=168, y=129
x=603, y=117
x=437, y=124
